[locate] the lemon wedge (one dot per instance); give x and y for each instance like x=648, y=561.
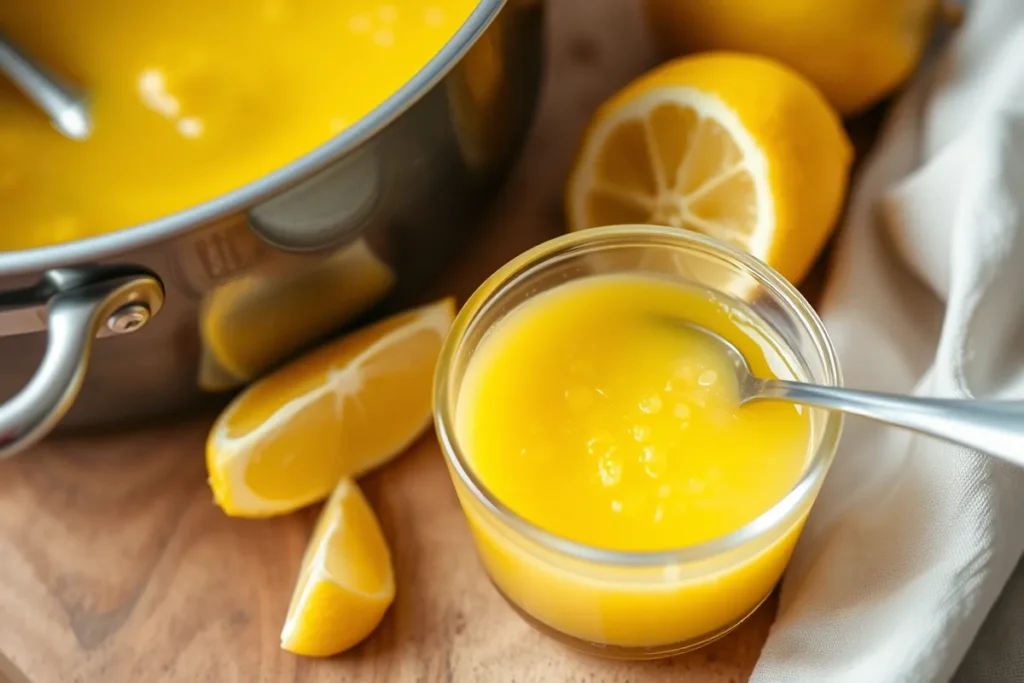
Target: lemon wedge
x=736, y=147
x=338, y=411
x=346, y=582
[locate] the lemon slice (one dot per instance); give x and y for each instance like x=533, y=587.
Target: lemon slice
x=736, y=147
x=338, y=411
x=346, y=582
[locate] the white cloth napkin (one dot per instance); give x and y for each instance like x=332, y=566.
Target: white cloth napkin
x=912, y=540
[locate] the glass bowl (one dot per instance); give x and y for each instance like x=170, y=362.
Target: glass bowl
x=638, y=605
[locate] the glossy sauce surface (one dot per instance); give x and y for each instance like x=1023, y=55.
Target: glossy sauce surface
x=587, y=412
x=192, y=99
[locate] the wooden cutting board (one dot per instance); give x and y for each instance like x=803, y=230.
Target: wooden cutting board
x=115, y=566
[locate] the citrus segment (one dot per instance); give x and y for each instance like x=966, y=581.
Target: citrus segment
x=346, y=582
x=338, y=411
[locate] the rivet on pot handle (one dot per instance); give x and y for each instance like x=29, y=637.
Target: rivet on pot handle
x=79, y=305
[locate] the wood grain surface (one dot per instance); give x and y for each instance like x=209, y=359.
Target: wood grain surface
x=115, y=566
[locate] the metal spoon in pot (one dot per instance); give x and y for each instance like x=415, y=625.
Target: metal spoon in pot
x=993, y=427
x=61, y=101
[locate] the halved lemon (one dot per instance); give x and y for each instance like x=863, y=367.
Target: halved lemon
x=738, y=147
x=346, y=582
x=338, y=411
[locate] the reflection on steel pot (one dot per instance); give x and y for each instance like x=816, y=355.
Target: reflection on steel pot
x=208, y=298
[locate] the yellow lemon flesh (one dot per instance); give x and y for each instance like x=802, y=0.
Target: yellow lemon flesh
x=338, y=411
x=855, y=51
x=737, y=147
x=346, y=582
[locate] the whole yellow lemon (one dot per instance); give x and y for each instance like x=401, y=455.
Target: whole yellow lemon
x=855, y=51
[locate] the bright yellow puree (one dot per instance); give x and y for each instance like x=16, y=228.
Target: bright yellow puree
x=193, y=98
x=588, y=413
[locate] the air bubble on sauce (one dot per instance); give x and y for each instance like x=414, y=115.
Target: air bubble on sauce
x=384, y=38
x=707, y=378
x=655, y=461
x=190, y=127
x=681, y=411
x=153, y=92
x=609, y=468
x=640, y=433
x=650, y=405
x=616, y=506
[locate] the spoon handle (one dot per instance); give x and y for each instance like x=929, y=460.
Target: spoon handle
x=993, y=427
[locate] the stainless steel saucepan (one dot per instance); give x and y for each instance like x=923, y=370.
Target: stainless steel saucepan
x=147, y=320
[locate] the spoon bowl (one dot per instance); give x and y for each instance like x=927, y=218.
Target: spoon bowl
x=993, y=427
x=748, y=384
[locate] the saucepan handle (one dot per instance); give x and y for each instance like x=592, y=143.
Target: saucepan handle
x=77, y=306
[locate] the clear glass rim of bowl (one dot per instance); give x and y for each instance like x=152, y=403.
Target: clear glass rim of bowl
x=636, y=235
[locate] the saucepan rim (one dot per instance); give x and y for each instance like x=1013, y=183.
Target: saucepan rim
x=130, y=238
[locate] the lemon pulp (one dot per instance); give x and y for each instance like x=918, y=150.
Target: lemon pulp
x=738, y=147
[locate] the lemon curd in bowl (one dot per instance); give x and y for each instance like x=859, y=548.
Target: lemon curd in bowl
x=192, y=99
x=620, y=497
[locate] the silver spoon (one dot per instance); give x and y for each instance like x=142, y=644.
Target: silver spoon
x=62, y=102
x=993, y=427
